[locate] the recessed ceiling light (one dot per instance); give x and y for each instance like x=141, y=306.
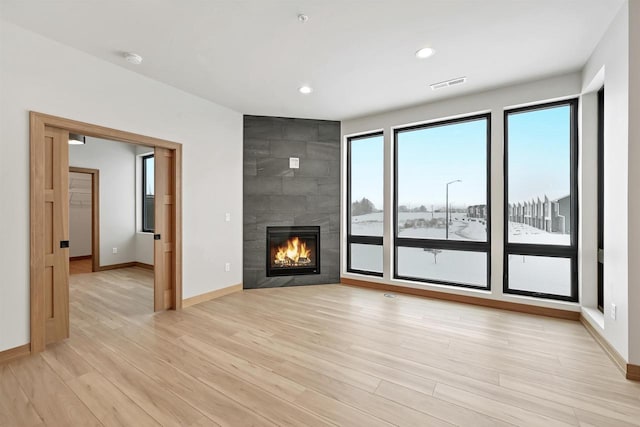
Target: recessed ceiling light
x=425, y=52
x=303, y=18
x=75, y=139
x=306, y=90
x=133, y=58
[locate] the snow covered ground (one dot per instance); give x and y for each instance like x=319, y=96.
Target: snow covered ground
x=366, y=257
x=449, y=266
x=531, y=273
x=540, y=274
x=367, y=225
x=459, y=229
x=462, y=228
x=522, y=233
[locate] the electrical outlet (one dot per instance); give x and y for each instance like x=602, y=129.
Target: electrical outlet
x=294, y=162
x=614, y=311
x=115, y=250
x=227, y=217
x=227, y=266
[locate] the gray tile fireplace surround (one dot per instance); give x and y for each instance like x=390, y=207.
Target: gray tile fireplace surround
x=276, y=195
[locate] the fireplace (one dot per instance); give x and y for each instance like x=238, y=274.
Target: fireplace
x=293, y=251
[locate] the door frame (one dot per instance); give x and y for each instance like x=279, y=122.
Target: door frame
x=95, y=214
x=37, y=124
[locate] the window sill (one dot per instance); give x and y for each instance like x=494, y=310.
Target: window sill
x=594, y=316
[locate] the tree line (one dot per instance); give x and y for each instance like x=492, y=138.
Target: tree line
x=363, y=207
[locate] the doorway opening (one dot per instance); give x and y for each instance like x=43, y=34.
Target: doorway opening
x=50, y=137
x=84, y=220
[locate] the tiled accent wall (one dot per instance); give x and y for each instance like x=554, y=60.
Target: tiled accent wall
x=275, y=194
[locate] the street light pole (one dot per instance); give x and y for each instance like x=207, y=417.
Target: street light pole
x=446, y=208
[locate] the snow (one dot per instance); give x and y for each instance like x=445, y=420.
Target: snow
x=366, y=257
x=461, y=227
x=522, y=233
x=540, y=274
x=418, y=263
x=367, y=225
x=535, y=274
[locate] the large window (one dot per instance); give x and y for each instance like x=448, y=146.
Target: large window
x=442, y=216
x=541, y=201
x=365, y=194
x=148, y=207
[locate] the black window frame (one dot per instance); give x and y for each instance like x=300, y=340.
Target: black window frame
x=145, y=228
x=362, y=240
x=600, y=283
x=456, y=245
x=542, y=250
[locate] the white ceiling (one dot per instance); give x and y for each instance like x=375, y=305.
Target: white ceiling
x=252, y=55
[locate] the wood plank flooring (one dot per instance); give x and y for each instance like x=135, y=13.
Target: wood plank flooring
x=310, y=356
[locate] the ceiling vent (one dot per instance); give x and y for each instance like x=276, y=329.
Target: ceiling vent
x=452, y=82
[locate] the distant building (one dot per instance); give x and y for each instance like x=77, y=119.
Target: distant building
x=553, y=216
x=477, y=211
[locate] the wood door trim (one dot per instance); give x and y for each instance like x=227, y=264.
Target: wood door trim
x=126, y=265
x=95, y=214
x=97, y=131
x=629, y=370
x=117, y=266
x=37, y=123
x=177, y=249
x=143, y=265
x=36, y=263
x=11, y=354
x=208, y=296
x=633, y=372
x=613, y=354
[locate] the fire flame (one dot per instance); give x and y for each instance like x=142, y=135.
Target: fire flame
x=292, y=252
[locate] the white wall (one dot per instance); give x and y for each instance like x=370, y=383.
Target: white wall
x=609, y=64
x=588, y=199
x=116, y=162
x=144, y=248
x=41, y=75
x=634, y=182
x=79, y=214
x=496, y=101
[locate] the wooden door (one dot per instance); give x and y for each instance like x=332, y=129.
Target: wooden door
x=50, y=235
x=165, y=217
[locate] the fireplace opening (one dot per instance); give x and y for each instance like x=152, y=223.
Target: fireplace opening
x=293, y=251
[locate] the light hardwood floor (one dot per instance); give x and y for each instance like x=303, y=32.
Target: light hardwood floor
x=310, y=356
